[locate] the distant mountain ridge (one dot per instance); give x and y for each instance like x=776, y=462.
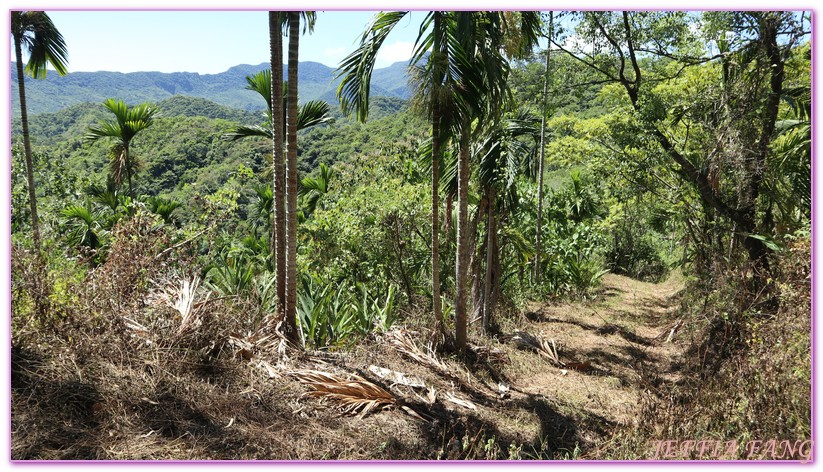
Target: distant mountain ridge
x=316, y=81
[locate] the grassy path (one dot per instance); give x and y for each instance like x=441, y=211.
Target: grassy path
x=612, y=346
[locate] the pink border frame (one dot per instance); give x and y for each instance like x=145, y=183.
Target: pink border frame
x=6, y=284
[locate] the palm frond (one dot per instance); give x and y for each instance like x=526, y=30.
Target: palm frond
x=104, y=129
x=313, y=113
x=83, y=227
x=356, y=68
x=353, y=394
x=45, y=44
x=401, y=342
x=241, y=132
x=261, y=83
x=547, y=349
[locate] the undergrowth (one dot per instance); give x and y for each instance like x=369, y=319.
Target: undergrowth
x=746, y=375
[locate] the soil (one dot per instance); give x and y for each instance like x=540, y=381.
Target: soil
x=99, y=399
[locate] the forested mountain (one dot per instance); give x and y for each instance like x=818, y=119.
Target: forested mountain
x=226, y=88
x=599, y=249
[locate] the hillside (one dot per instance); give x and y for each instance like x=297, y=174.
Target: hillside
x=71, y=123
x=246, y=403
x=317, y=81
x=184, y=156
x=597, y=252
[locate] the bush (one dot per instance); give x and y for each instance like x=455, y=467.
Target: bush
x=635, y=254
x=332, y=314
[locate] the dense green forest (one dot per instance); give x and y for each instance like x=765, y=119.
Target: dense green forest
x=571, y=236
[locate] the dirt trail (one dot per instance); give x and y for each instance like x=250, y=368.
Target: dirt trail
x=515, y=404
x=611, y=345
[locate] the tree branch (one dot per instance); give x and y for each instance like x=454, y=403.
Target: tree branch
x=587, y=63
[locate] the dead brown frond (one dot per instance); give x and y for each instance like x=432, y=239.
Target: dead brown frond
x=451, y=397
x=354, y=395
x=267, y=339
x=401, y=342
x=396, y=378
x=547, y=349
x=182, y=299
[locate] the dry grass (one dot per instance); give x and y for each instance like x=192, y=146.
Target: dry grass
x=122, y=379
x=227, y=388
x=746, y=373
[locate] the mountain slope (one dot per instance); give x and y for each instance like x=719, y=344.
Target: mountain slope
x=317, y=81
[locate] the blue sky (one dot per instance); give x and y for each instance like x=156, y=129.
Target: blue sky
x=210, y=42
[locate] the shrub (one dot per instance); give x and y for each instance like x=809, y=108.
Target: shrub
x=635, y=254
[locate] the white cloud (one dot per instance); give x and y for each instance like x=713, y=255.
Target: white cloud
x=394, y=52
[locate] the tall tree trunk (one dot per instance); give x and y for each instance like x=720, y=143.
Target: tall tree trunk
x=462, y=263
x=291, y=182
x=436, y=157
x=24, y=118
x=278, y=161
x=128, y=167
x=491, y=229
x=475, y=257
x=757, y=250
x=537, y=252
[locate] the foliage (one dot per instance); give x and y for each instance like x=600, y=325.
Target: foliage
x=332, y=315
x=369, y=229
x=128, y=122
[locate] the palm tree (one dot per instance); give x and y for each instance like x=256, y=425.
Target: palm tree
x=270, y=86
x=466, y=73
x=435, y=82
x=127, y=123
x=543, y=113
x=481, y=97
x=163, y=207
x=83, y=225
x=312, y=113
x=503, y=155
x=34, y=31
x=313, y=189
x=277, y=108
x=293, y=19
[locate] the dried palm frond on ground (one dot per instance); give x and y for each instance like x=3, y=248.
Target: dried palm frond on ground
x=547, y=349
x=396, y=378
x=268, y=339
x=400, y=341
x=182, y=299
x=451, y=397
x=355, y=395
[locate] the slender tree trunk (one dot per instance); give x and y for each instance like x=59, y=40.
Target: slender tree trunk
x=461, y=269
x=291, y=181
x=397, y=246
x=128, y=167
x=757, y=250
x=475, y=256
x=491, y=229
x=497, y=251
x=537, y=252
x=436, y=157
x=24, y=118
x=278, y=161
